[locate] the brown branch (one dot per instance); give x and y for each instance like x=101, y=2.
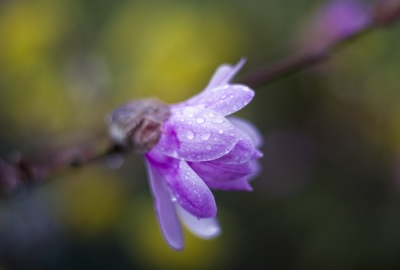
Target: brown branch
x=298, y=61
x=21, y=171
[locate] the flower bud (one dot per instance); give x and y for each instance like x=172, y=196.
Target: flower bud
x=138, y=124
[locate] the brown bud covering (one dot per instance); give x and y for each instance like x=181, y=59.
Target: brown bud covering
x=385, y=12
x=138, y=124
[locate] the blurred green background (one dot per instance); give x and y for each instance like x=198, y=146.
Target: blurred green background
x=328, y=196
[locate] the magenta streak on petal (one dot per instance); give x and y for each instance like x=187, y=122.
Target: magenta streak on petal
x=165, y=209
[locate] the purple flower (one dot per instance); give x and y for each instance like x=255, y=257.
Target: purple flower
x=336, y=20
x=201, y=149
x=343, y=17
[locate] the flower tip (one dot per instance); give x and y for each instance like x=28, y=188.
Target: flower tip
x=176, y=247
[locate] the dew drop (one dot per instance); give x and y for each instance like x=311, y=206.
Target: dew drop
x=208, y=147
x=219, y=121
x=190, y=135
x=200, y=120
x=211, y=115
x=205, y=136
x=190, y=114
x=224, y=96
x=173, y=198
x=220, y=131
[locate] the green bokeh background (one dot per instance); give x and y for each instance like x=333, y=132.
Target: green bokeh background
x=328, y=196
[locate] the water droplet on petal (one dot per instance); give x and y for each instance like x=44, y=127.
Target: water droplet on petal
x=211, y=115
x=200, y=120
x=205, y=136
x=219, y=121
x=208, y=147
x=173, y=198
x=189, y=135
x=190, y=114
x=220, y=131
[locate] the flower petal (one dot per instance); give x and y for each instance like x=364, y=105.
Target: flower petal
x=196, y=134
x=165, y=209
x=224, y=74
x=248, y=128
x=242, y=152
x=187, y=188
x=225, y=99
x=211, y=170
x=238, y=184
x=206, y=228
x=256, y=169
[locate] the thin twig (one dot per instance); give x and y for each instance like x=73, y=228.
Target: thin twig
x=298, y=61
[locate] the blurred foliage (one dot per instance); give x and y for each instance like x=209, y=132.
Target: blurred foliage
x=327, y=198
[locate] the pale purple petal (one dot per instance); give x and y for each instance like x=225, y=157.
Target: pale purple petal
x=242, y=152
x=197, y=134
x=241, y=184
x=256, y=169
x=249, y=129
x=219, y=171
x=206, y=228
x=224, y=74
x=191, y=192
x=165, y=209
x=221, y=77
x=226, y=99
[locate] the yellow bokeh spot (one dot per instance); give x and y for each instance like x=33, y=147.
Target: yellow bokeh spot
x=29, y=28
x=91, y=201
x=169, y=52
x=32, y=96
x=36, y=101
